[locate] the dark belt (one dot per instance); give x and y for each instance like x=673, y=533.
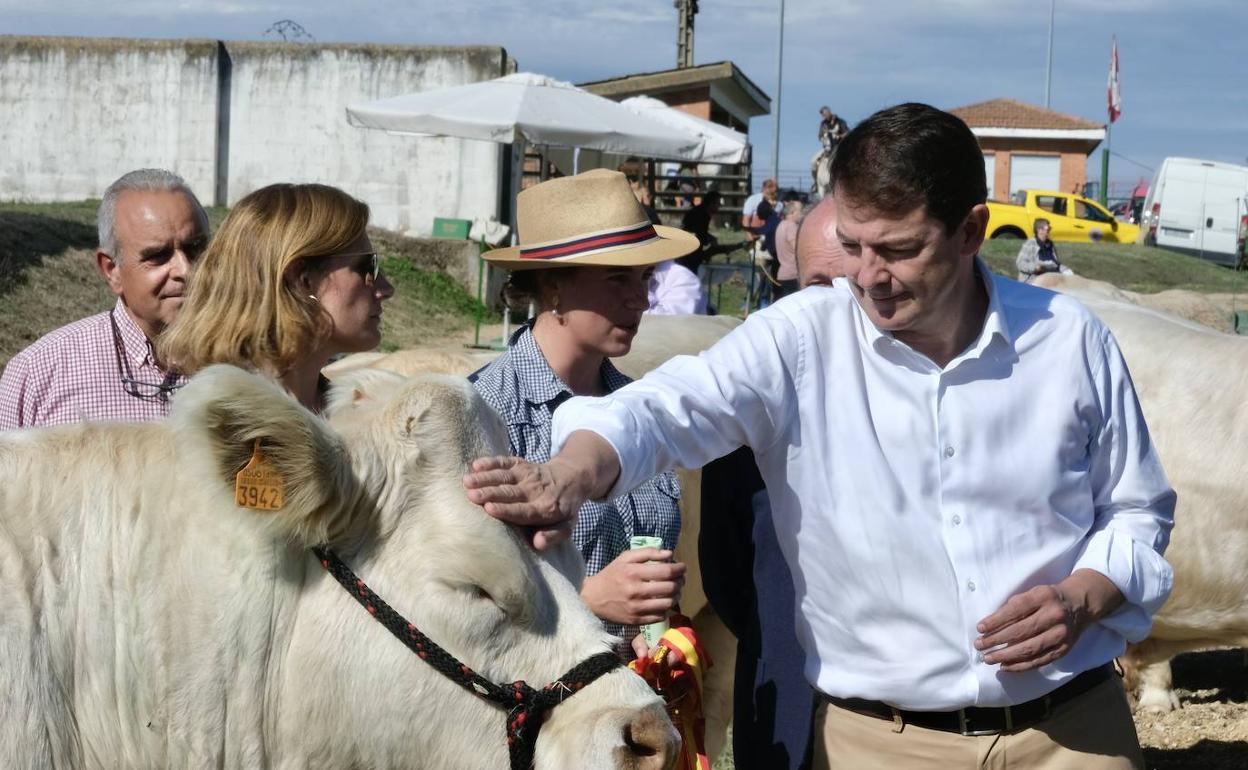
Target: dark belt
x=978, y=720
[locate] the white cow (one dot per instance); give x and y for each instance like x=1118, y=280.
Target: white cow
x=1191, y=382
x=659, y=338
x=148, y=621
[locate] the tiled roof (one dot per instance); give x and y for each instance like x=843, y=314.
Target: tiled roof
x=1010, y=113
x=652, y=83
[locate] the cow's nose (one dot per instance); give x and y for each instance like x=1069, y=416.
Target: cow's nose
x=651, y=740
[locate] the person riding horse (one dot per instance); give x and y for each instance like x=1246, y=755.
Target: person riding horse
x=832, y=128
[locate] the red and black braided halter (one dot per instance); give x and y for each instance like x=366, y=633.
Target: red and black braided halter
x=524, y=705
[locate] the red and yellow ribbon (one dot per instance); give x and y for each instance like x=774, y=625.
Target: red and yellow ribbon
x=674, y=670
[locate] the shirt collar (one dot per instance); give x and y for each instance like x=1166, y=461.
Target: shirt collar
x=995, y=325
x=136, y=344
x=546, y=386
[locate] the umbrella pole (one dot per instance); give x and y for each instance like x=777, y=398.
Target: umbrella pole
x=576, y=161
x=476, y=335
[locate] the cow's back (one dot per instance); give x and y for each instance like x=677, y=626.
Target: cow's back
x=1189, y=380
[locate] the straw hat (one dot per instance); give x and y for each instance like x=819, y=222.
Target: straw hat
x=588, y=219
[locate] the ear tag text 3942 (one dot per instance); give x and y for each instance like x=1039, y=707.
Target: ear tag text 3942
x=258, y=485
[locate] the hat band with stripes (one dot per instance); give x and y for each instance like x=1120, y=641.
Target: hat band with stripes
x=633, y=235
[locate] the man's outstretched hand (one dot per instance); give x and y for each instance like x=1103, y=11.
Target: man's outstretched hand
x=545, y=496
x=541, y=496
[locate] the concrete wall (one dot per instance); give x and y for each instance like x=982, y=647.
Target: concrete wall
x=76, y=113
x=288, y=123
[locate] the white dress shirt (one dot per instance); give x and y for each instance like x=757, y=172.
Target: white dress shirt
x=912, y=501
x=676, y=290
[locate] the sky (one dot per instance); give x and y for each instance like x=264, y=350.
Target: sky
x=1183, y=74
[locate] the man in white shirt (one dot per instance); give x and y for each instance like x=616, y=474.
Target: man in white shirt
x=961, y=478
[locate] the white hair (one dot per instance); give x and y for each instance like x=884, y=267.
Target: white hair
x=148, y=180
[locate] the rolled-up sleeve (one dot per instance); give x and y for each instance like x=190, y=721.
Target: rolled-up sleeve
x=694, y=409
x=1133, y=500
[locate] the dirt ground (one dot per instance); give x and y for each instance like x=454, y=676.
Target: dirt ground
x=1210, y=732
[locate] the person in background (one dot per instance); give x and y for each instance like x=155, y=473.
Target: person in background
x=633, y=170
x=585, y=258
x=690, y=185
x=104, y=367
x=749, y=222
x=832, y=129
x=290, y=281
x=769, y=212
x=786, y=246
x=1038, y=255
x=700, y=219
x=773, y=704
x=676, y=290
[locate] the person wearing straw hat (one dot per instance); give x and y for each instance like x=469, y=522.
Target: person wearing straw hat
x=587, y=252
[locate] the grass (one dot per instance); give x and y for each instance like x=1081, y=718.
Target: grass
x=48, y=278
x=1141, y=269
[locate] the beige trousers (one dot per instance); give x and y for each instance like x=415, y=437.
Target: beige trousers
x=1092, y=732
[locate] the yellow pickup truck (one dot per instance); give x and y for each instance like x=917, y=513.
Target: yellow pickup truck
x=1072, y=218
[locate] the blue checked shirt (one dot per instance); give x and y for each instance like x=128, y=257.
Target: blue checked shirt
x=522, y=388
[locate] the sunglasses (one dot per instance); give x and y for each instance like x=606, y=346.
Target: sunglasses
x=368, y=269
x=140, y=389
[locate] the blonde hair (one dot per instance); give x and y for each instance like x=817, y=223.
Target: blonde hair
x=244, y=304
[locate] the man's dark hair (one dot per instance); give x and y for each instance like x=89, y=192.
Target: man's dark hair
x=711, y=197
x=911, y=155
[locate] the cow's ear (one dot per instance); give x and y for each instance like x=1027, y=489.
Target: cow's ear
x=224, y=414
x=359, y=387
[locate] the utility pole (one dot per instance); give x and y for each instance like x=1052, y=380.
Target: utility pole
x=775, y=143
x=1048, y=64
x=685, y=11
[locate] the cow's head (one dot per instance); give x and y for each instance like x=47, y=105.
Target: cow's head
x=380, y=481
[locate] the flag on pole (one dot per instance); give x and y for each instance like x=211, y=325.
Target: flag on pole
x=1115, y=97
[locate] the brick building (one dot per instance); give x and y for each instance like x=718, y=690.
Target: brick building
x=719, y=92
x=1030, y=147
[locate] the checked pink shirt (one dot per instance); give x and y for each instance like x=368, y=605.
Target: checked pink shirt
x=73, y=374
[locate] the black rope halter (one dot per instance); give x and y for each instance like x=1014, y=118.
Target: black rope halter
x=524, y=705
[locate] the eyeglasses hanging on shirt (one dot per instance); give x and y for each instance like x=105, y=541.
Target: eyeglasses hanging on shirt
x=133, y=386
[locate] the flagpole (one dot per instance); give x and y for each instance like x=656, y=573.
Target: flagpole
x=1104, y=196
x=775, y=140
x=1114, y=111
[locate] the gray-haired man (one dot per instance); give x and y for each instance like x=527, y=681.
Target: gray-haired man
x=151, y=229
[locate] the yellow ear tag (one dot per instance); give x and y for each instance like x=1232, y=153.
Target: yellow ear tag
x=258, y=485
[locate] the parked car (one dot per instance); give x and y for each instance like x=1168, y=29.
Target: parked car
x=1197, y=207
x=1071, y=217
x=1128, y=210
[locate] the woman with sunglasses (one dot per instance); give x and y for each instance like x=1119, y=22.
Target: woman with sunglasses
x=289, y=281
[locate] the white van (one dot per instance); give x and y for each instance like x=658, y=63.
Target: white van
x=1197, y=207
